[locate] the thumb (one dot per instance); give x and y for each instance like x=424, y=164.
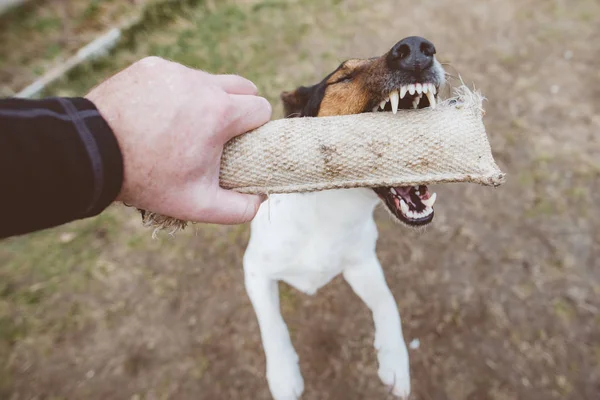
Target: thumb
x=234, y=208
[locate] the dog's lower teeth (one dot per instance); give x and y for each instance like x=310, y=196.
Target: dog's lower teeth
x=416, y=101
x=404, y=207
x=431, y=98
x=430, y=201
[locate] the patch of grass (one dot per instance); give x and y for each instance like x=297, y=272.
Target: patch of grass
x=236, y=38
x=37, y=33
x=35, y=268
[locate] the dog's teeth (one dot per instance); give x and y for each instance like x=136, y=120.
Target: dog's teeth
x=411, y=89
x=393, y=191
x=431, y=98
x=419, y=88
x=404, y=207
x=382, y=104
x=394, y=100
x=375, y=108
x=416, y=101
x=425, y=87
x=432, y=88
x=430, y=201
x=403, y=91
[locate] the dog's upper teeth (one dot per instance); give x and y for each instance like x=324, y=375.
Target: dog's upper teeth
x=394, y=100
x=375, y=109
x=430, y=201
x=432, y=88
x=382, y=104
x=426, y=87
x=411, y=89
x=403, y=91
x=393, y=191
x=419, y=88
x=431, y=98
x=404, y=207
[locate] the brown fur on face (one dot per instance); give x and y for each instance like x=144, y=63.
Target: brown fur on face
x=347, y=90
x=359, y=85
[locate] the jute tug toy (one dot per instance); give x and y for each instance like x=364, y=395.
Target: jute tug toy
x=379, y=149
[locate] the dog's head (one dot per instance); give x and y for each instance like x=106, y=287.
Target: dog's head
x=407, y=76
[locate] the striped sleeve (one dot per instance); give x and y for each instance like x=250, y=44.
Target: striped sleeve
x=59, y=161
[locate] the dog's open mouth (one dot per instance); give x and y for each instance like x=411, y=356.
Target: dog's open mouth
x=412, y=205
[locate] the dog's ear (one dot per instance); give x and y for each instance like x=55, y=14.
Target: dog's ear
x=304, y=101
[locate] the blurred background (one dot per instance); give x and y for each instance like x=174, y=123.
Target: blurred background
x=500, y=296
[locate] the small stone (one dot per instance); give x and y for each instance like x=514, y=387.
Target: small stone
x=415, y=344
x=90, y=374
x=554, y=89
x=568, y=55
x=561, y=381
x=66, y=237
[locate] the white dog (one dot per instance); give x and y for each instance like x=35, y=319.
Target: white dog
x=306, y=240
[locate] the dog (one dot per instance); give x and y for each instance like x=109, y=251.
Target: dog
x=307, y=239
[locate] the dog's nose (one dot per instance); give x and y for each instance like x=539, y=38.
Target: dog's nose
x=411, y=54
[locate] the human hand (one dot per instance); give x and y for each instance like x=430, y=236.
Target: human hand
x=171, y=123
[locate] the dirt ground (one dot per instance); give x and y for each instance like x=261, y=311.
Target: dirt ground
x=502, y=291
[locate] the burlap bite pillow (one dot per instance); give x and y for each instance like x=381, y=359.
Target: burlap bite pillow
x=426, y=146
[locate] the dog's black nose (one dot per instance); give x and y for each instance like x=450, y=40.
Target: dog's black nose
x=411, y=54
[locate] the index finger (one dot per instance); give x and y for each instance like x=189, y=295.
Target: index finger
x=248, y=113
x=235, y=84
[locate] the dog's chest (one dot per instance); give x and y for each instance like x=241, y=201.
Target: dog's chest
x=307, y=240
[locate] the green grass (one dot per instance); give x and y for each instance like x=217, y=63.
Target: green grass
x=247, y=39
x=38, y=35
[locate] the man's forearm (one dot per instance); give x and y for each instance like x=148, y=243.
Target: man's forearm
x=59, y=161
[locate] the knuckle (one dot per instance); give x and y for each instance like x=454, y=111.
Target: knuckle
x=151, y=61
x=222, y=113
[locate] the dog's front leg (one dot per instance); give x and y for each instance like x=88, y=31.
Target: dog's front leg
x=368, y=282
x=283, y=373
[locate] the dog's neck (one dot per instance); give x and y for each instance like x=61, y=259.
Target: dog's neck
x=347, y=207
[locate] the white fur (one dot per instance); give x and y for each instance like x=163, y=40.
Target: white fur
x=306, y=240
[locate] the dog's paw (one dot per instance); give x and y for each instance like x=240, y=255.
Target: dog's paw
x=394, y=371
x=285, y=380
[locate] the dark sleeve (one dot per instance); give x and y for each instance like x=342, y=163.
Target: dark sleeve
x=59, y=161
